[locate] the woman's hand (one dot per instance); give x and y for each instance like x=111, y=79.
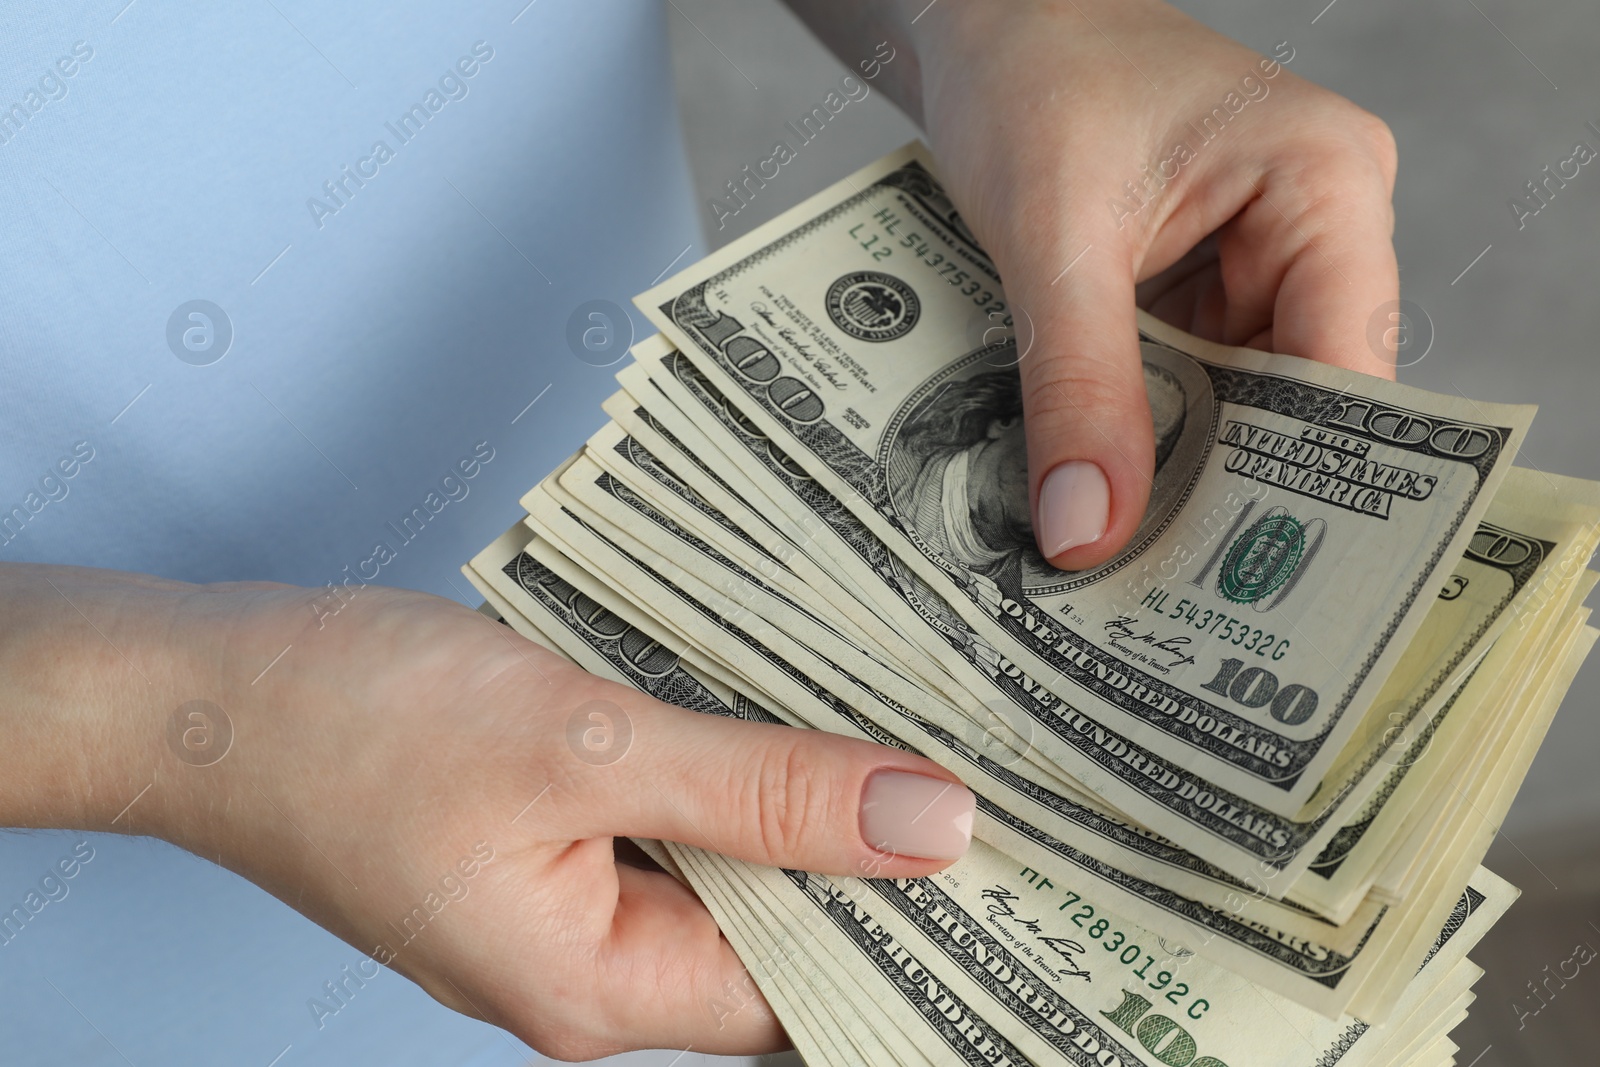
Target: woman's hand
x=1073, y=133
x=406, y=775
x=1098, y=145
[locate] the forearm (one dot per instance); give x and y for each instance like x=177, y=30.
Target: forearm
x=91, y=666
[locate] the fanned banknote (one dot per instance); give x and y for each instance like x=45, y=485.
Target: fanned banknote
x=1301, y=516
x=1466, y=615
x=1234, y=785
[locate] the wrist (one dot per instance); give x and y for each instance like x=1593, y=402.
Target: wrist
x=951, y=40
x=93, y=663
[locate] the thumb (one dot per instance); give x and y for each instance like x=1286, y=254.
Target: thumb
x=775, y=795
x=1091, y=448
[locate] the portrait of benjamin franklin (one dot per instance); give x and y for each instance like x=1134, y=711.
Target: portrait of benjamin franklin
x=958, y=470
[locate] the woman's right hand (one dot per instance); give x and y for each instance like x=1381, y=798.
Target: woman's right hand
x=1108, y=150
x=403, y=776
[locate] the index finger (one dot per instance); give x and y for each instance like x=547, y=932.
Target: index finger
x=1317, y=242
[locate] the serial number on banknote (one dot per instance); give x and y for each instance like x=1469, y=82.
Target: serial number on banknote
x=893, y=233
x=1209, y=621
x=1069, y=956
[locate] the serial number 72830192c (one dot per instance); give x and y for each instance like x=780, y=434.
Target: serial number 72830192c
x=1138, y=962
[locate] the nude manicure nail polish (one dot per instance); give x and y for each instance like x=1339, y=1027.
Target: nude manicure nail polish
x=1074, y=506
x=914, y=815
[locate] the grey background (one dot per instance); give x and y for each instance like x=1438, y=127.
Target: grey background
x=1481, y=94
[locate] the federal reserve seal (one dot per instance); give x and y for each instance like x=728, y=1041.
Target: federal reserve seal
x=1262, y=558
x=872, y=306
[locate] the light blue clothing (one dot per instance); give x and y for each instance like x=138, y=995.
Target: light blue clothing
x=395, y=332
x=394, y=210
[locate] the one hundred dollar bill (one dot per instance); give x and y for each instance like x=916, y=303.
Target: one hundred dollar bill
x=1484, y=586
x=692, y=422
x=989, y=958
x=607, y=646
x=590, y=624
x=1301, y=519
x=1033, y=801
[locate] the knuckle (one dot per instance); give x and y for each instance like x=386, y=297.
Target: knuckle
x=792, y=799
x=1358, y=140
x=1078, y=396
x=1378, y=138
x=1338, y=146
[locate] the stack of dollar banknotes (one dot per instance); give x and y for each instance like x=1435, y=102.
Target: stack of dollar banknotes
x=1234, y=785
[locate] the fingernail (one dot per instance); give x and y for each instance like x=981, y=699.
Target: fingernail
x=1074, y=504
x=914, y=815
